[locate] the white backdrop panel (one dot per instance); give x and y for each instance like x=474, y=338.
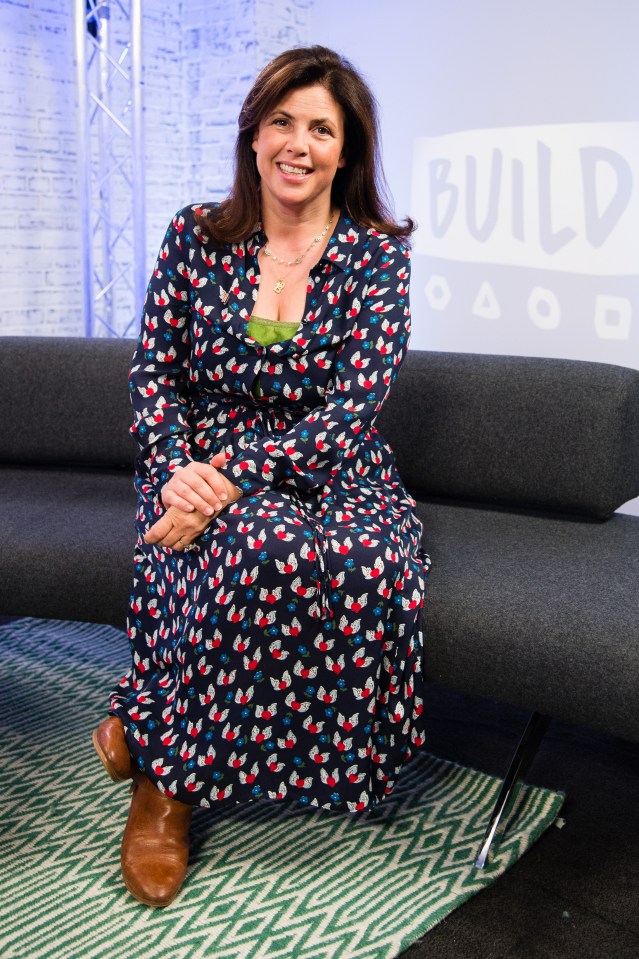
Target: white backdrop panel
x=511, y=134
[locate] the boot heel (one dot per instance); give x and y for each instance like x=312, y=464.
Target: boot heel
x=113, y=752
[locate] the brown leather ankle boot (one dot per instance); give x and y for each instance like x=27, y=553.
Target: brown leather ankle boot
x=155, y=847
x=110, y=745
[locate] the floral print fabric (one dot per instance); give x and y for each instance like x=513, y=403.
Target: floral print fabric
x=281, y=657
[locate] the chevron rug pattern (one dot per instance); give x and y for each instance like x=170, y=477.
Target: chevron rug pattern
x=267, y=881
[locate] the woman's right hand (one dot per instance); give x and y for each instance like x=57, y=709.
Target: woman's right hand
x=200, y=486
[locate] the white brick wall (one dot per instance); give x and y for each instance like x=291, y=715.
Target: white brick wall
x=279, y=26
x=200, y=57
x=219, y=60
x=39, y=211
x=223, y=54
x=166, y=121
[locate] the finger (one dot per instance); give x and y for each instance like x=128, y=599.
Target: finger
x=187, y=498
x=219, y=460
x=171, y=498
x=188, y=526
x=209, y=472
x=181, y=539
x=177, y=539
x=218, y=483
x=198, y=468
x=159, y=530
x=233, y=492
x=206, y=491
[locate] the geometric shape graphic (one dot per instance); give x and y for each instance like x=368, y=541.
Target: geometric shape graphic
x=613, y=317
x=544, y=309
x=486, y=305
x=438, y=292
x=266, y=880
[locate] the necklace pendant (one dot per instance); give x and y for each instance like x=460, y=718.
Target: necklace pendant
x=279, y=286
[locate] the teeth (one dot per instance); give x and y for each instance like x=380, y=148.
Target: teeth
x=298, y=171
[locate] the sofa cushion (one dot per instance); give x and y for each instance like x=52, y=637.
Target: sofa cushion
x=553, y=434
x=66, y=543
x=537, y=610
x=65, y=401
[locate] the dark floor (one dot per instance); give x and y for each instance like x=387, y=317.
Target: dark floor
x=576, y=892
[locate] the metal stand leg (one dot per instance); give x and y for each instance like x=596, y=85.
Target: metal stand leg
x=520, y=763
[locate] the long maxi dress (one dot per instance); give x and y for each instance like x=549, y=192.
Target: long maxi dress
x=281, y=657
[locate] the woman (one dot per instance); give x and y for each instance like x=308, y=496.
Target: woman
x=279, y=576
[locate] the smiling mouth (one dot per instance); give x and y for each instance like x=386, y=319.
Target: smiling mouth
x=295, y=170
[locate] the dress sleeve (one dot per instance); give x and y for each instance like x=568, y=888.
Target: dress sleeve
x=366, y=365
x=159, y=376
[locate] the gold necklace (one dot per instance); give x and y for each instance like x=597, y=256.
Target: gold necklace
x=280, y=284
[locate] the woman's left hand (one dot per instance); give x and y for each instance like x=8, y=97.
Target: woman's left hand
x=177, y=529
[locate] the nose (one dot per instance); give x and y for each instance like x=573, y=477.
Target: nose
x=297, y=142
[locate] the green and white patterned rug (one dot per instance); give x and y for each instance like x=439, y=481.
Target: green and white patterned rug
x=266, y=881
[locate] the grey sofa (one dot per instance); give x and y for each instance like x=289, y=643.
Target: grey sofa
x=517, y=466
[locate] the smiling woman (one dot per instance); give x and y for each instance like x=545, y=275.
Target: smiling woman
x=358, y=188
x=279, y=572
x=299, y=148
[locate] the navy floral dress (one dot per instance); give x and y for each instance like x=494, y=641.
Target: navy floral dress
x=282, y=656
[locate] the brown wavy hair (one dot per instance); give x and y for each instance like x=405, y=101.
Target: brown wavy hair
x=359, y=187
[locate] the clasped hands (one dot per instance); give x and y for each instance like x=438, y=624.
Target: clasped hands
x=194, y=496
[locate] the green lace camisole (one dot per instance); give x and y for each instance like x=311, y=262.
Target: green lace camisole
x=267, y=332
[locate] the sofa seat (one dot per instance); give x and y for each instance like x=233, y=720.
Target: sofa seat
x=538, y=609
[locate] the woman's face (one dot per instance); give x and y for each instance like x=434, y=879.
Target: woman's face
x=299, y=146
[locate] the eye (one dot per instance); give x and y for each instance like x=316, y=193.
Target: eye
x=280, y=121
x=324, y=131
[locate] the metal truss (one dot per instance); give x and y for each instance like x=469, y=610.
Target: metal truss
x=108, y=45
